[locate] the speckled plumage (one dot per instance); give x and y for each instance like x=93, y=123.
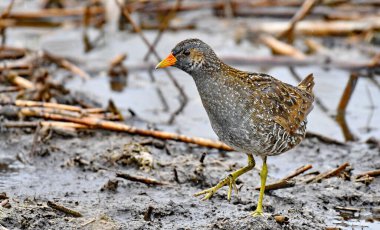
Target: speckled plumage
x=251, y=112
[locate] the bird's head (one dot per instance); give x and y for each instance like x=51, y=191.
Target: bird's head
x=190, y=55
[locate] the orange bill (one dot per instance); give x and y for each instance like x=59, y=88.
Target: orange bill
x=168, y=61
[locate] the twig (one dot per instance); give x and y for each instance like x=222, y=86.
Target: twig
x=298, y=171
x=35, y=139
x=55, y=13
x=63, y=63
x=328, y=174
x=309, y=61
x=278, y=185
x=324, y=139
x=26, y=103
x=279, y=47
x=114, y=126
x=318, y=28
x=305, y=9
x=10, y=89
x=372, y=173
x=165, y=104
x=64, y=209
x=19, y=81
x=351, y=209
x=148, y=214
x=183, y=100
x=341, y=110
x=287, y=181
x=34, y=124
x=4, y=15
x=144, y=180
x=163, y=26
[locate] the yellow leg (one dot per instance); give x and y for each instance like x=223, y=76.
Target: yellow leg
x=263, y=176
x=230, y=180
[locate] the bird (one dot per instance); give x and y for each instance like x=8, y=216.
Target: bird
x=254, y=113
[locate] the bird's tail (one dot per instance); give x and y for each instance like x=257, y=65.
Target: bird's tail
x=307, y=83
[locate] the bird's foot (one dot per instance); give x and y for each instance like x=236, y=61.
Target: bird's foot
x=259, y=213
x=230, y=180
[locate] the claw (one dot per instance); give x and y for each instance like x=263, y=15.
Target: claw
x=230, y=180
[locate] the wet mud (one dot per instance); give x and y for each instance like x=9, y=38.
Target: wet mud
x=80, y=173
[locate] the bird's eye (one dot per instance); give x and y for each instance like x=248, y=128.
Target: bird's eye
x=186, y=52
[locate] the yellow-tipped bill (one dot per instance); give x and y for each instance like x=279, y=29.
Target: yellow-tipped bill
x=168, y=61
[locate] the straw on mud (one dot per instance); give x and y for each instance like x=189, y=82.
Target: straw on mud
x=93, y=122
x=64, y=209
x=298, y=171
x=144, y=180
x=328, y=174
x=372, y=173
x=286, y=182
x=324, y=139
x=281, y=184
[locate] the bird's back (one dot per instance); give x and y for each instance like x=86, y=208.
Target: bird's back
x=255, y=112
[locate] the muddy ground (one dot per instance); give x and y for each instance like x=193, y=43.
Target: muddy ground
x=79, y=172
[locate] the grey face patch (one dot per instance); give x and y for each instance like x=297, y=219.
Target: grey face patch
x=187, y=61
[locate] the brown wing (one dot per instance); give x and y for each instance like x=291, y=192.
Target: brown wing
x=289, y=105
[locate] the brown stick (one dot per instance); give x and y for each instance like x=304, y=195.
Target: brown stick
x=19, y=81
x=279, y=185
x=8, y=52
x=26, y=103
x=163, y=26
x=64, y=209
x=147, y=181
x=319, y=28
x=324, y=139
x=286, y=61
x=184, y=100
x=10, y=89
x=328, y=174
x=63, y=63
x=286, y=182
x=54, y=13
x=305, y=9
x=279, y=47
x=372, y=173
x=298, y=171
x=34, y=124
x=109, y=125
x=341, y=110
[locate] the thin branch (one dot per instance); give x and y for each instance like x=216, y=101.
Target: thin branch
x=298, y=171
x=64, y=209
x=93, y=122
x=305, y=9
x=64, y=63
x=372, y=173
x=328, y=174
x=163, y=26
x=144, y=180
x=184, y=99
